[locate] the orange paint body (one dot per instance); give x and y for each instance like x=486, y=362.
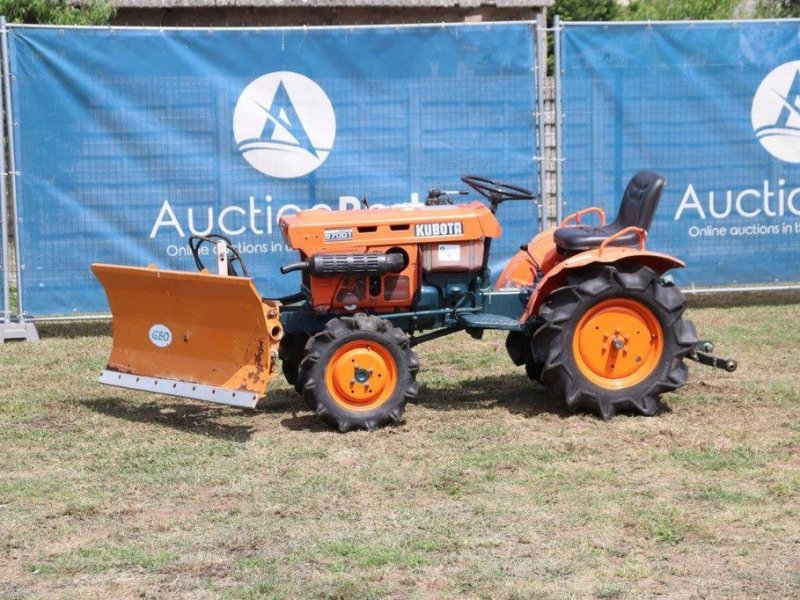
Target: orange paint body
x=542, y=265
x=555, y=277
x=345, y=387
x=213, y=337
x=633, y=327
x=539, y=256
x=217, y=330
x=414, y=230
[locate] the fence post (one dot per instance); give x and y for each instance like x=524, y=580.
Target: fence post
x=559, y=116
x=541, y=142
x=10, y=330
x=4, y=228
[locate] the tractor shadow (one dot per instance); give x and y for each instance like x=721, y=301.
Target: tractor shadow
x=74, y=329
x=199, y=418
x=513, y=392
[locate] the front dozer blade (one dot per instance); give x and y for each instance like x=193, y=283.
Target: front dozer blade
x=194, y=335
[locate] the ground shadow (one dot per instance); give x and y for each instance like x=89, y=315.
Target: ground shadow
x=200, y=419
x=306, y=421
x=513, y=392
x=73, y=329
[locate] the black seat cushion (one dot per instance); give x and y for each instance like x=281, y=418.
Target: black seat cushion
x=584, y=237
x=639, y=203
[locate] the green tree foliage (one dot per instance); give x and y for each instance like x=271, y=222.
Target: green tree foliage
x=579, y=10
x=779, y=8
x=60, y=12
x=585, y=10
x=676, y=10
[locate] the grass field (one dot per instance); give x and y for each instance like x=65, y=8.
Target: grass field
x=488, y=490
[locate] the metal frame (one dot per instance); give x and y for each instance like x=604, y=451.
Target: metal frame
x=11, y=164
x=685, y=22
x=540, y=77
x=183, y=389
x=738, y=289
x=557, y=29
x=20, y=329
x=688, y=290
x=6, y=316
x=78, y=318
x=29, y=320
x=559, y=116
x=486, y=24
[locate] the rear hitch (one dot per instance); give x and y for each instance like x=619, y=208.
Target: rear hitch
x=702, y=353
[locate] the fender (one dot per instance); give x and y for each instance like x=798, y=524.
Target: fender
x=539, y=254
x=556, y=277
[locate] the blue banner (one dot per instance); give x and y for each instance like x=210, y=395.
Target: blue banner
x=715, y=108
x=130, y=140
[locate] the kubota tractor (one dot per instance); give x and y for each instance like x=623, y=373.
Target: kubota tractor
x=587, y=309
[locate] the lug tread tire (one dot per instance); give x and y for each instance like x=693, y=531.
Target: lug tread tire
x=551, y=343
x=290, y=352
x=322, y=345
x=518, y=346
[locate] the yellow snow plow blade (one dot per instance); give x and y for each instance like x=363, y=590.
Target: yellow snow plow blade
x=194, y=335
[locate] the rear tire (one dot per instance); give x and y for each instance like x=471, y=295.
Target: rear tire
x=613, y=339
x=359, y=373
x=533, y=369
x=518, y=345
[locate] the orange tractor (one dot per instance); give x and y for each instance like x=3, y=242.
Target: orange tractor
x=587, y=309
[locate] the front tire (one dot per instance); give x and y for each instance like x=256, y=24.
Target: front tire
x=359, y=373
x=613, y=339
x=290, y=352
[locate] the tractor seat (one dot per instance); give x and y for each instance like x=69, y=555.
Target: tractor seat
x=638, y=206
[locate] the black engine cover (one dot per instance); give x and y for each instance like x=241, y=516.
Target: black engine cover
x=337, y=265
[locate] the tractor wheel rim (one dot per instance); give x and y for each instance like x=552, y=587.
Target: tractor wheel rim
x=361, y=375
x=618, y=343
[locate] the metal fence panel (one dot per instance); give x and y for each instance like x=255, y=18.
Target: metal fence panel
x=129, y=139
x=5, y=266
x=713, y=106
x=5, y=315
x=5, y=309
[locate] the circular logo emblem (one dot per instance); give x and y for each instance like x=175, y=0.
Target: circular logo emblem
x=160, y=335
x=776, y=112
x=284, y=124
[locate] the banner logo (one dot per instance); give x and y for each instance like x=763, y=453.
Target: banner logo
x=284, y=124
x=776, y=112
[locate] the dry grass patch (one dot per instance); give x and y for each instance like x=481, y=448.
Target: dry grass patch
x=487, y=490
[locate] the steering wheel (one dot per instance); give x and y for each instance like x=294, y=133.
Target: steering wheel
x=497, y=191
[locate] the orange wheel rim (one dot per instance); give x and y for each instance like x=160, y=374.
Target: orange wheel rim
x=618, y=343
x=361, y=375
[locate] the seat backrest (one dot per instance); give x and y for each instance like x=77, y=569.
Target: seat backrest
x=640, y=200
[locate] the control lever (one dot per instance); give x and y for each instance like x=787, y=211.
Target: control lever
x=438, y=197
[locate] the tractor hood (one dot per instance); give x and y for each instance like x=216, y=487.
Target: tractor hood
x=312, y=230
